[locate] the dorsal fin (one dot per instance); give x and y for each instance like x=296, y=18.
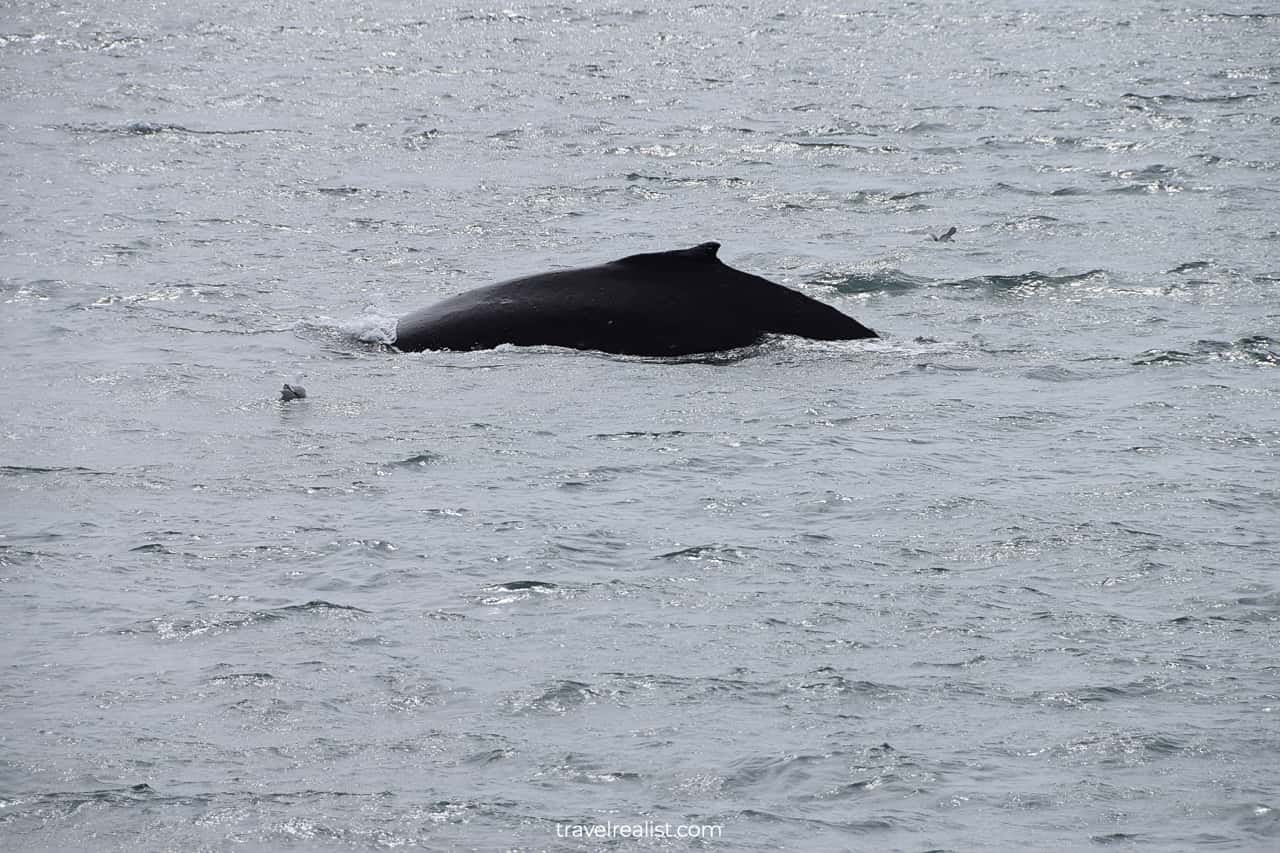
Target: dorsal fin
x=703, y=252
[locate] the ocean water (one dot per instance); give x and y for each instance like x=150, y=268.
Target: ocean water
x=1004, y=579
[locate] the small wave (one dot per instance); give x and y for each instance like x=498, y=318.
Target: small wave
x=839, y=145
x=925, y=127
x=891, y=281
x=1055, y=373
x=1156, y=171
x=511, y=586
x=1238, y=16
x=1255, y=350
x=726, y=182
x=417, y=462
x=1150, y=179
x=1235, y=163
x=505, y=16
x=1263, y=608
x=1083, y=143
x=1037, y=191
x=1168, y=356
x=899, y=202
x=716, y=553
x=489, y=756
x=1258, y=819
x=1256, y=72
x=653, y=436
x=1031, y=222
x=813, y=824
x=768, y=769
x=691, y=688
x=37, y=470
x=578, y=768
x=940, y=367
x=1095, y=695
x=826, y=680
x=558, y=698
x=130, y=795
x=380, y=548
x=1025, y=284
x=150, y=128
x=171, y=628
x=417, y=140
x=1146, y=188
x=152, y=548
x=1126, y=838
x=511, y=592
x=244, y=679
x=1161, y=100
x=319, y=606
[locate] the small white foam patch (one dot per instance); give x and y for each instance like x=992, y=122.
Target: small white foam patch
x=370, y=327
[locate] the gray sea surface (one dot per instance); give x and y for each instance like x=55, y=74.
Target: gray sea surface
x=1004, y=579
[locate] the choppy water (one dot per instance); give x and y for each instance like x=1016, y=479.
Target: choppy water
x=1005, y=579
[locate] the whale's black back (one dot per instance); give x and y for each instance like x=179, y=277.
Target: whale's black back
x=665, y=303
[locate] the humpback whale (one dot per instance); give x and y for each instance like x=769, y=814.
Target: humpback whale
x=675, y=303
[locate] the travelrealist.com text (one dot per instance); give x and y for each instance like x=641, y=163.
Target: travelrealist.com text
x=644, y=829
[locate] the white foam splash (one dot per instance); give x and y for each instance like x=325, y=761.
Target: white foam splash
x=370, y=327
